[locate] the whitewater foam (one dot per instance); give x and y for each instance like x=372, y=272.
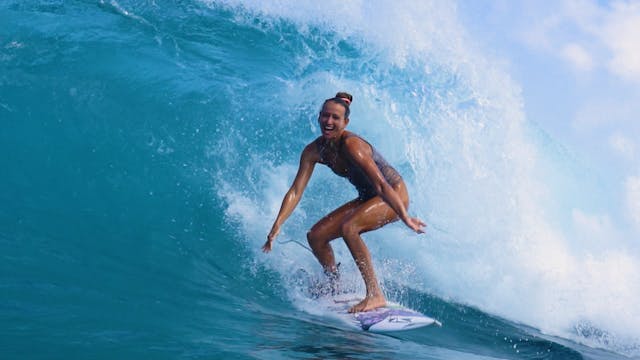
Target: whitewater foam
x=474, y=165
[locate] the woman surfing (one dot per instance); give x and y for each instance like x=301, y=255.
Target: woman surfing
x=382, y=197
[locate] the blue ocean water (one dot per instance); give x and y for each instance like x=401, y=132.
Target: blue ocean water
x=146, y=146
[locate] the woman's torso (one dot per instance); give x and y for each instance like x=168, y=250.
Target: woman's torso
x=339, y=162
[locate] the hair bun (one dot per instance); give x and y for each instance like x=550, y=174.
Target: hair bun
x=348, y=98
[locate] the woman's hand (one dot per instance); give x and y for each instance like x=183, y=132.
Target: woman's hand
x=415, y=224
x=272, y=236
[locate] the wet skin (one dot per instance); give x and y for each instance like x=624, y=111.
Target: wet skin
x=356, y=216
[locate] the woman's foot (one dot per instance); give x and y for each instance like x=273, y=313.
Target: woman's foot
x=369, y=303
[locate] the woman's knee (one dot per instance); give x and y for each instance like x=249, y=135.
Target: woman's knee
x=349, y=228
x=314, y=238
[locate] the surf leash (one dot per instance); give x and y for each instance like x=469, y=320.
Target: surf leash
x=296, y=242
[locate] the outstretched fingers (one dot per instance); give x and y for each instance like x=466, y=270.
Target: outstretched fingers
x=267, y=246
x=416, y=225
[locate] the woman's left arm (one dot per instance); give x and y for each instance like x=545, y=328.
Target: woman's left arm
x=362, y=155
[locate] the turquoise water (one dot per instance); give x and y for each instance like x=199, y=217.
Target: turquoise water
x=146, y=146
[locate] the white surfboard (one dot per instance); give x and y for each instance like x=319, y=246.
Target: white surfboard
x=392, y=317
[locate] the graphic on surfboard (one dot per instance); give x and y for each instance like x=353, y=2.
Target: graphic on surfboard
x=392, y=317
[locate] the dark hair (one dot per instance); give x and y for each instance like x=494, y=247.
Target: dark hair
x=345, y=95
x=342, y=98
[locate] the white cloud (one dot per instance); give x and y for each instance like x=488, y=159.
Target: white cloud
x=578, y=57
x=621, y=34
x=612, y=120
x=632, y=186
x=594, y=225
x=612, y=31
x=538, y=35
x=584, y=15
x=623, y=146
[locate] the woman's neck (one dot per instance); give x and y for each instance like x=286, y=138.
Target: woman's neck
x=334, y=143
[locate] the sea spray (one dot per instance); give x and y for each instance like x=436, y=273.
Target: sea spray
x=474, y=165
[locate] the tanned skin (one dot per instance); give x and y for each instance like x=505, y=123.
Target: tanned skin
x=356, y=216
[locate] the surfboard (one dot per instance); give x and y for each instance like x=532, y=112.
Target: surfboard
x=392, y=317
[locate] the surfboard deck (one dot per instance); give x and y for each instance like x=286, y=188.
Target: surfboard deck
x=392, y=317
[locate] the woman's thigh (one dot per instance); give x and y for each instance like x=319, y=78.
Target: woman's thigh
x=374, y=213
x=364, y=215
x=329, y=227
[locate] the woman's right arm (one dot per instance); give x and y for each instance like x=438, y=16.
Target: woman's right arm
x=308, y=161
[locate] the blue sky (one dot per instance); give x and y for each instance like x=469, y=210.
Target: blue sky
x=578, y=64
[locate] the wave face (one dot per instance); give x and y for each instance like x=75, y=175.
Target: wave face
x=148, y=145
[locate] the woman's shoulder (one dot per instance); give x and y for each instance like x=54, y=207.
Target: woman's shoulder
x=350, y=135
x=316, y=144
x=351, y=139
x=313, y=148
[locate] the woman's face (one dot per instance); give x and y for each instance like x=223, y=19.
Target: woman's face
x=332, y=121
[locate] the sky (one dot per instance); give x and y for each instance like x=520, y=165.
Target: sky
x=578, y=65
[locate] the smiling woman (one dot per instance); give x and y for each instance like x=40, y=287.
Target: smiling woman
x=382, y=197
